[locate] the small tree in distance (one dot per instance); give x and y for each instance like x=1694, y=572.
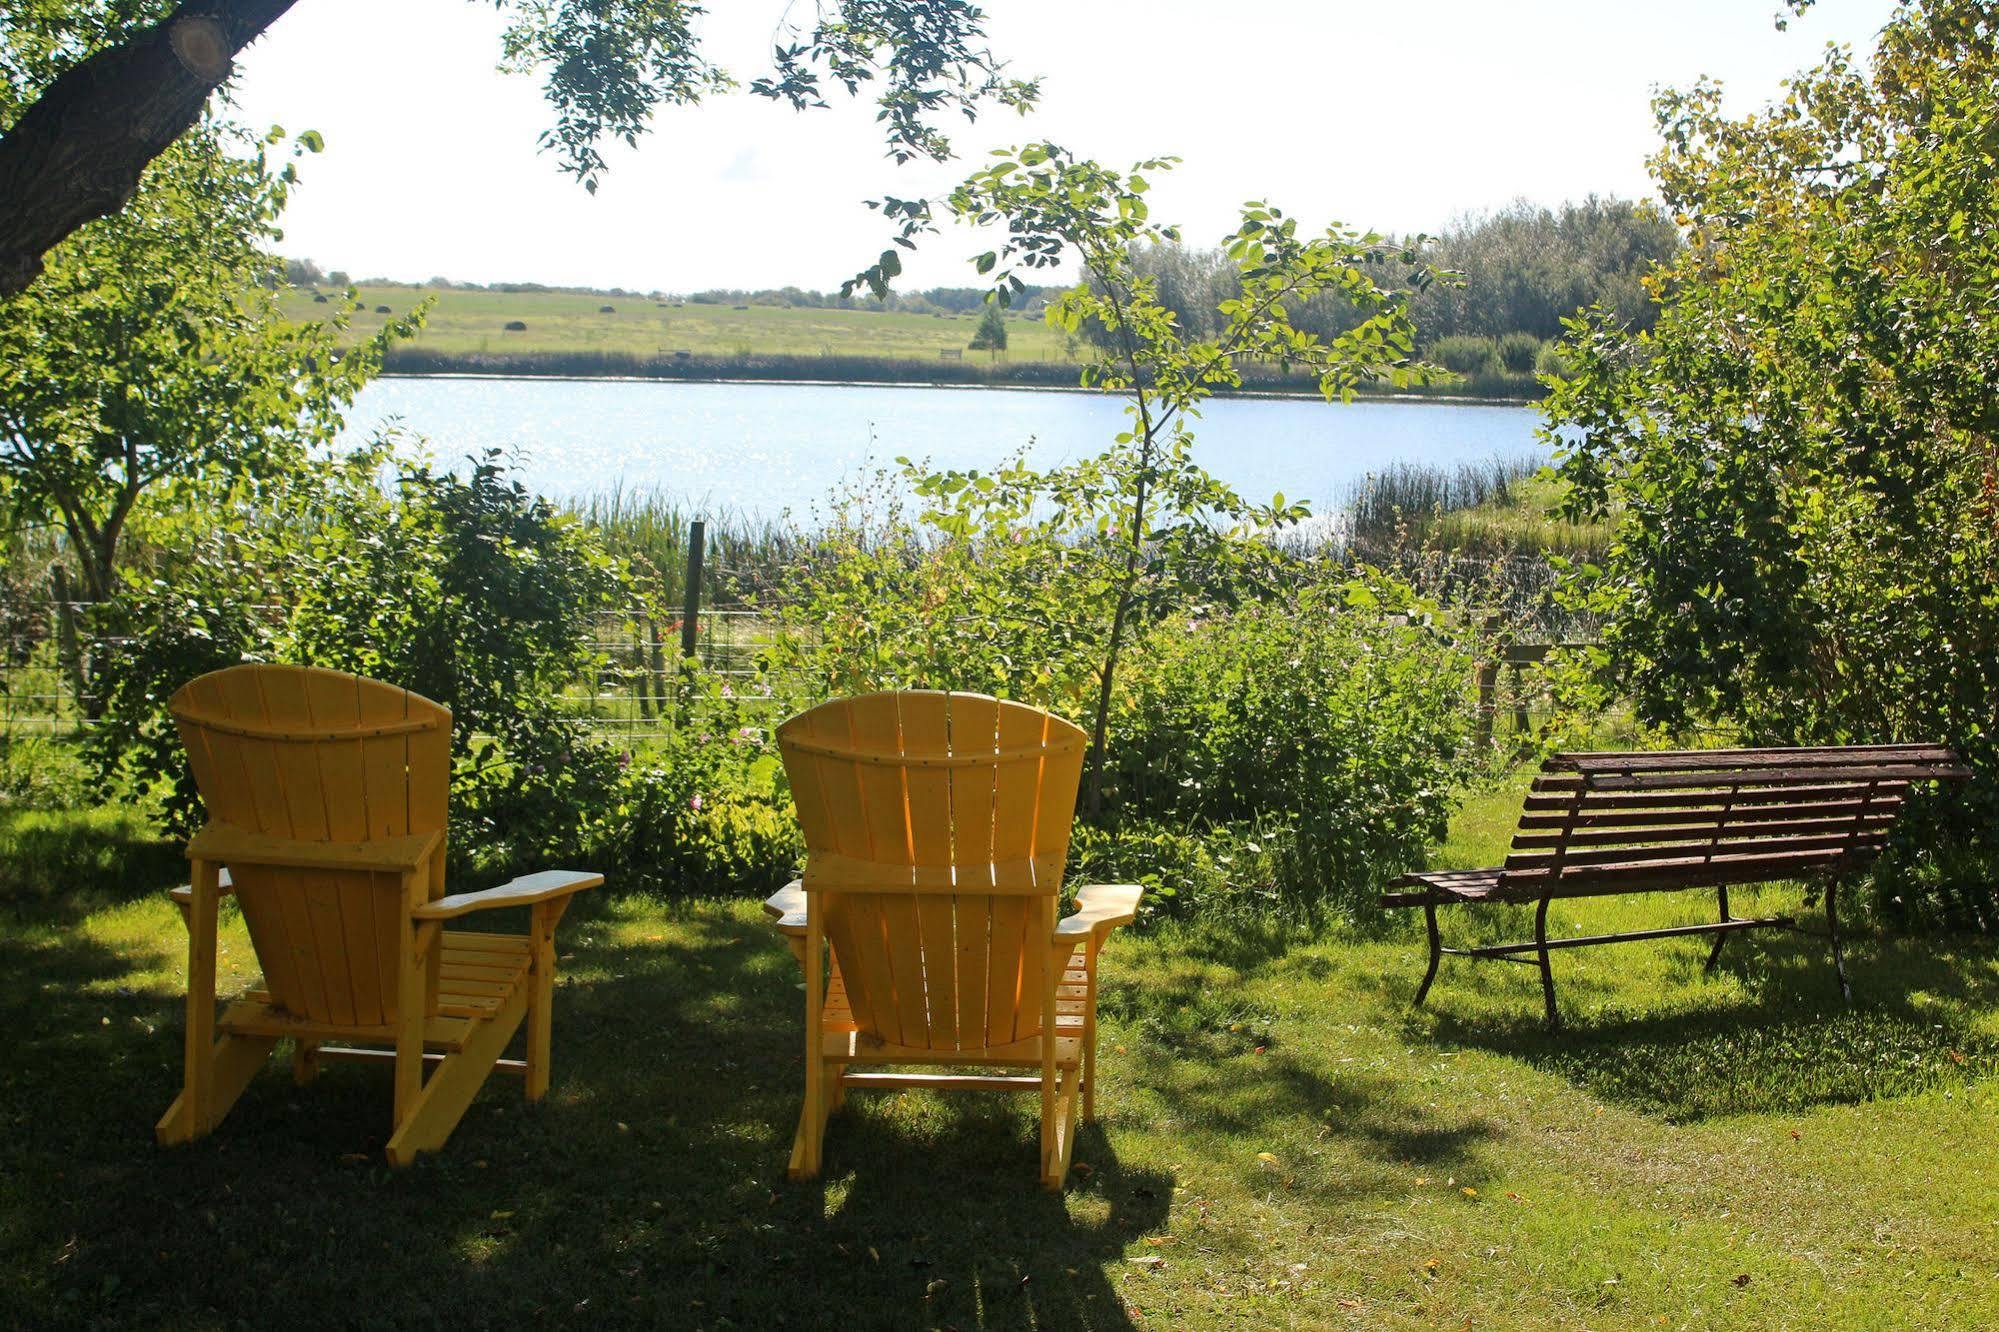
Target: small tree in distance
x=991, y=333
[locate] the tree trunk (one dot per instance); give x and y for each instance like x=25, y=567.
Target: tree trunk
x=1094, y=803
x=76, y=154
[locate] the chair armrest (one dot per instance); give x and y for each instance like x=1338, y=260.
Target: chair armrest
x=1100, y=908
x=185, y=893
x=226, y=843
x=786, y=907
x=524, y=891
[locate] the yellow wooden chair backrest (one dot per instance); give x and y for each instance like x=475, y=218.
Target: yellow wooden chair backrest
x=320, y=756
x=936, y=827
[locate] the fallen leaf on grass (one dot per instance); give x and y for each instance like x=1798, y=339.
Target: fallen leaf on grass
x=1268, y=1158
x=1742, y=1279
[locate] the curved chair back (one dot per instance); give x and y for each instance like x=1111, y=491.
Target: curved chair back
x=319, y=756
x=936, y=827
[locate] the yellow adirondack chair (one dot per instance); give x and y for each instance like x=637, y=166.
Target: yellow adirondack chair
x=936, y=827
x=326, y=798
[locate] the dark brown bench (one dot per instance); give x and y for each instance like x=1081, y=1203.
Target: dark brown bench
x=1597, y=825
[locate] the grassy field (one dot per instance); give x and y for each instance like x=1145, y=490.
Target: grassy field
x=1286, y=1143
x=465, y=322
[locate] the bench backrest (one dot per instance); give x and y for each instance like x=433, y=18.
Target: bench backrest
x=1630, y=822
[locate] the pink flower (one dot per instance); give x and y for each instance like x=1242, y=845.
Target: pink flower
x=694, y=802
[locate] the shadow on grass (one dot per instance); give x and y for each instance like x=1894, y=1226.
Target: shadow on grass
x=69, y=864
x=648, y=1190
x=1784, y=1042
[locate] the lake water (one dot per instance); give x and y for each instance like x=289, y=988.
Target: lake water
x=766, y=448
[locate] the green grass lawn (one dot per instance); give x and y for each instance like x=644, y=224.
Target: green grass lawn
x=475, y=321
x=1285, y=1142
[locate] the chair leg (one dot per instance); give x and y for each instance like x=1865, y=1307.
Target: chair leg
x=541, y=998
x=1058, y=1130
x=808, y=1148
x=227, y=1070
x=1714, y=954
x=1090, y=1034
x=1832, y=932
x=190, y=1115
x=305, y=1062
x=442, y=1102
x=836, y=1091
x=1554, y=1017
x=1436, y=952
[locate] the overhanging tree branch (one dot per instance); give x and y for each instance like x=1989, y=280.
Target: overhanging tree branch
x=76, y=155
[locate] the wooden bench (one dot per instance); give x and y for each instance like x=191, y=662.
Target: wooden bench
x=1597, y=825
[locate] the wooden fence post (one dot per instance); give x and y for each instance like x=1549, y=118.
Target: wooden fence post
x=690, y=615
x=69, y=645
x=1488, y=703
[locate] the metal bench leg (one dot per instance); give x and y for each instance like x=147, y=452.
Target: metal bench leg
x=1436, y=953
x=1832, y=931
x=1547, y=972
x=1714, y=954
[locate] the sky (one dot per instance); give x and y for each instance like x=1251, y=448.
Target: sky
x=1396, y=117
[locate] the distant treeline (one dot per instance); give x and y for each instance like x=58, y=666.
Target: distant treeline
x=951, y=300
x=1522, y=270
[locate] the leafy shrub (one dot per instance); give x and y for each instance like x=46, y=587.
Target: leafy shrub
x=40, y=772
x=1802, y=449
x=1550, y=361
x=1467, y=355
x=1330, y=727
x=476, y=594
x=1206, y=871
x=465, y=589
x=201, y=620
x=706, y=811
x=1518, y=353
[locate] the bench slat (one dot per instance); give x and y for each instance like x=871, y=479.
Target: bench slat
x=1589, y=816
x=1720, y=832
x=1684, y=872
x=1778, y=777
x=1712, y=759
x=1581, y=864
x=1596, y=800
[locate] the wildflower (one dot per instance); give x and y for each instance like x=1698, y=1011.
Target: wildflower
x=694, y=802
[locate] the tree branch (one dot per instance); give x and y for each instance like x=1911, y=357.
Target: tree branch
x=76, y=155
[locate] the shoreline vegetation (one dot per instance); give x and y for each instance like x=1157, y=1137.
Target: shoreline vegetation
x=1259, y=381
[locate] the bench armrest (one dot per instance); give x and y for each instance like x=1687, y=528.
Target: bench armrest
x=527, y=890
x=228, y=844
x=1100, y=908
x=786, y=908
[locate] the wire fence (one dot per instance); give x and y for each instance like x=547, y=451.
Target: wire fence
x=749, y=655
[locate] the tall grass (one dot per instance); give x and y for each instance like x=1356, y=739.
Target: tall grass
x=1496, y=506
x=743, y=553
